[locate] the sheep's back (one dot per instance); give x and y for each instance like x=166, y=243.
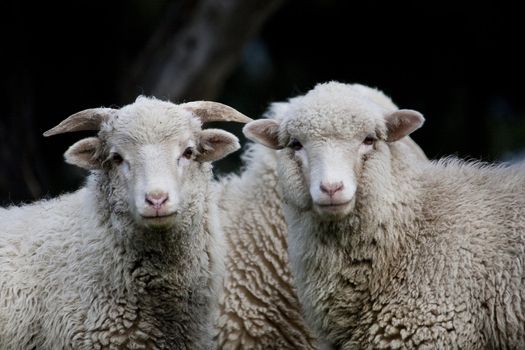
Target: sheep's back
x=260, y=309
x=475, y=232
x=38, y=254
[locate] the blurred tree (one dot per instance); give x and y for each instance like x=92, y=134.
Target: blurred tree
x=19, y=157
x=195, y=48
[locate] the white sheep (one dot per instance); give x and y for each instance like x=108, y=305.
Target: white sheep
x=260, y=309
x=132, y=260
x=389, y=252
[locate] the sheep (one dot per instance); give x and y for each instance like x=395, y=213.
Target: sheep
x=389, y=252
x=260, y=309
x=134, y=259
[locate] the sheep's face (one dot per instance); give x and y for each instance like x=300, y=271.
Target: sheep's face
x=324, y=144
x=156, y=157
x=156, y=176
x=327, y=168
x=162, y=176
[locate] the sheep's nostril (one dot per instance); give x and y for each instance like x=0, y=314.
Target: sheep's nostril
x=156, y=199
x=331, y=188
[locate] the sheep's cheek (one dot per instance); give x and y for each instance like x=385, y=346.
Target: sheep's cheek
x=183, y=162
x=302, y=163
x=125, y=168
x=293, y=182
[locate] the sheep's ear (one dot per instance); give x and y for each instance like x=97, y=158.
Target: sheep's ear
x=84, y=153
x=263, y=131
x=402, y=123
x=216, y=144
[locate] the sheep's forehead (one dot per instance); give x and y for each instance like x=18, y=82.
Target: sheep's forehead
x=152, y=123
x=339, y=119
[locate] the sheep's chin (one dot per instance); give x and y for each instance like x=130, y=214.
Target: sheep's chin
x=334, y=212
x=157, y=223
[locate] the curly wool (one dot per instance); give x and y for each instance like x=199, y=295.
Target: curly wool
x=437, y=266
x=260, y=309
x=68, y=284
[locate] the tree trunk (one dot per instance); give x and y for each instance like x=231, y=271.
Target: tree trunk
x=195, y=49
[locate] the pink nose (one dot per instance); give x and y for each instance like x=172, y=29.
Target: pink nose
x=156, y=199
x=331, y=188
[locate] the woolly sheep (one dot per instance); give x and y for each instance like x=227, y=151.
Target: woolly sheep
x=133, y=259
x=387, y=252
x=260, y=309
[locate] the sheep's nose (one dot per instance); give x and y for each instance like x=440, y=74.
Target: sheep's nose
x=331, y=188
x=156, y=199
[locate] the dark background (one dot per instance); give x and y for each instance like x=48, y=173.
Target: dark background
x=461, y=64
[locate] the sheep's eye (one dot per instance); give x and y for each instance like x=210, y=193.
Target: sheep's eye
x=369, y=140
x=188, y=152
x=295, y=145
x=116, y=158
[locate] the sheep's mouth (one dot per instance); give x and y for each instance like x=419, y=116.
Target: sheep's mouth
x=334, y=209
x=333, y=205
x=157, y=216
x=158, y=221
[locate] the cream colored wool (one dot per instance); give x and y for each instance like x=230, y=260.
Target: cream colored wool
x=98, y=268
x=424, y=255
x=260, y=309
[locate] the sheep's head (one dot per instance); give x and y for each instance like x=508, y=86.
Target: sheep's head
x=155, y=154
x=325, y=139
